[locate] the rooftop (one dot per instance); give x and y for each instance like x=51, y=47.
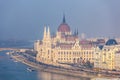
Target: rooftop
x=111, y=42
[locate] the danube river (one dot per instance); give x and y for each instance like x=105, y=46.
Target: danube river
x=12, y=70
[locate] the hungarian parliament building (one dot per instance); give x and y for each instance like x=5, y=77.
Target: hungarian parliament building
x=67, y=48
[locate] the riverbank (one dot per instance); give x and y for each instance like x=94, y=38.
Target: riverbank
x=57, y=70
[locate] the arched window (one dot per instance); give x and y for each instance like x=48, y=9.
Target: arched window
x=61, y=52
x=70, y=53
x=64, y=53
x=48, y=51
x=58, y=52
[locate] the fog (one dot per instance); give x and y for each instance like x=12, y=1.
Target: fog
x=25, y=19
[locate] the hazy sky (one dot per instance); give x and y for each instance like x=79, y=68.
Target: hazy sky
x=25, y=19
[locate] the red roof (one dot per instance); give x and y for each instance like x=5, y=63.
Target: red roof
x=63, y=28
x=70, y=38
x=65, y=46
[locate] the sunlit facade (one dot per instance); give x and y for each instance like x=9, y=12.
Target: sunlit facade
x=64, y=47
x=117, y=60
x=104, y=57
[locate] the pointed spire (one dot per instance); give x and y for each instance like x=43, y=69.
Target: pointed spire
x=48, y=32
x=44, y=33
x=77, y=32
x=64, y=21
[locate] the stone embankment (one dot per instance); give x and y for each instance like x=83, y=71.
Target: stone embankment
x=57, y=70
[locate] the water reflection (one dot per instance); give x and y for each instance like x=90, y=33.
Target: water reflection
x=52, y=76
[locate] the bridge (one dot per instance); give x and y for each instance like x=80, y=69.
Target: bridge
x=14, y=49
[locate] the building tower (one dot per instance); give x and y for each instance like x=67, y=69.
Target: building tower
x=47, y=37
x=46, y=49
x=63, y=29
x=45, y=34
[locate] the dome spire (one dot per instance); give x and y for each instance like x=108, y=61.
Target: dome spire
x=64, y=21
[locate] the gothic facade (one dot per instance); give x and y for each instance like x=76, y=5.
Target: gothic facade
x=64, y=47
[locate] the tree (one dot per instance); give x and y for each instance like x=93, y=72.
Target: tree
x=88, y=64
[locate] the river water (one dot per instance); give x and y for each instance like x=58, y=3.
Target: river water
x=12, y=70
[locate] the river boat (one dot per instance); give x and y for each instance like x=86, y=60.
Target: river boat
x=30, y=69
x=8, y=53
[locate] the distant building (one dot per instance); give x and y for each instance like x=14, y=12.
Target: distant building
x=104, y=57
x=64, y=47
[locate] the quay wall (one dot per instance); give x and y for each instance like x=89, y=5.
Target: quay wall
x=55, y=70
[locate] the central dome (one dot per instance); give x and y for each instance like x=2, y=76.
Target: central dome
x=64, y=26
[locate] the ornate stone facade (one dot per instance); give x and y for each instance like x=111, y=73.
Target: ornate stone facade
x=106, y=56
x=64, y=47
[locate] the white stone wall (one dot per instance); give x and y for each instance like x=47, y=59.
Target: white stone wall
x=117, y=61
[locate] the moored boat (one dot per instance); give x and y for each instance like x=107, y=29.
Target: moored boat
x=30, y=69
